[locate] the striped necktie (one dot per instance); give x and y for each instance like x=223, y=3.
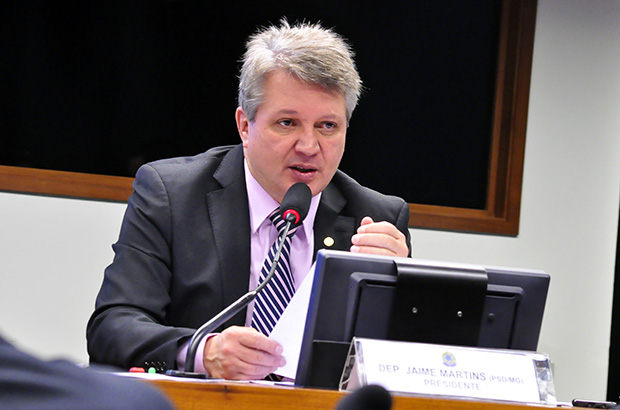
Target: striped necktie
x=271, y=302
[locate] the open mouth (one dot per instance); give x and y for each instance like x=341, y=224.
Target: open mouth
x=303, y=170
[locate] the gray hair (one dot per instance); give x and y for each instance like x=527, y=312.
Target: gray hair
x=313, y=54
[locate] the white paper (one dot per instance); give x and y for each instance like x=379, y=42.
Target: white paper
x=289, y=329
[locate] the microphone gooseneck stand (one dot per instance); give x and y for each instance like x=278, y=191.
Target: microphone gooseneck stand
x=233, y=309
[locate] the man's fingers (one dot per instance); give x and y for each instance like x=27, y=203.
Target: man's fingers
x=261, y=357
x=381, y=238
x=242, y=353
x=382, y=227
x=253, y=339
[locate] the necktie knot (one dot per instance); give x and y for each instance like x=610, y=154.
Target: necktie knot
x=280, y=223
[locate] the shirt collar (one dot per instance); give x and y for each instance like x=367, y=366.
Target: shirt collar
x=261, y=204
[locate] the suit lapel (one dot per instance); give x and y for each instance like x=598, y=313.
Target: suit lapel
x=229, y=214
x=329, y=225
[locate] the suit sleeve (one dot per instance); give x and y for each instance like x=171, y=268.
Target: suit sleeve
x=402, y=223
x=129, y=326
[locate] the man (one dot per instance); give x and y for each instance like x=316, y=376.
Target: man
x=196, y=231
x=29, y=383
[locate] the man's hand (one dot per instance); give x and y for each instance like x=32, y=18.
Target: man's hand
x=242, y=353
x=381, y=238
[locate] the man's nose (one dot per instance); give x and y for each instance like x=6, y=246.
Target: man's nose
x=308, y=142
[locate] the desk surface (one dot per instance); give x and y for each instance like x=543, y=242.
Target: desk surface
x=196, y=395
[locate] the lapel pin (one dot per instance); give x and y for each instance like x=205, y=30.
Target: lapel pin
x=328, y=241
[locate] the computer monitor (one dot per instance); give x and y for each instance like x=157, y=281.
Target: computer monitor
x=414, y=300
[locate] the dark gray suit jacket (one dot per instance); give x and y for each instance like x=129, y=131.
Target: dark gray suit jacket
x=29, y=383
x=183, y=253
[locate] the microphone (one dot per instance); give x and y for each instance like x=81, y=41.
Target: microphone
x=295, y=204
x=371, y=397
x=293, y=209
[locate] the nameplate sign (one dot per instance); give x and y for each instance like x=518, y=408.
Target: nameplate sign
x=442, y=370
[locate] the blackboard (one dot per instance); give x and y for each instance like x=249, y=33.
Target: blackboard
x=101, y=87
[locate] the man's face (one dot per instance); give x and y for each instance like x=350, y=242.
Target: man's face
x=298, y=135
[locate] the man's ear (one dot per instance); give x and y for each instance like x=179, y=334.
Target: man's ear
x=243, y=125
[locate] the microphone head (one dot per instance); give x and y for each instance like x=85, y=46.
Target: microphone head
x=371, y=397
x=296, y=203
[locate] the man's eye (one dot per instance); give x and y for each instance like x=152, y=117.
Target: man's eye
x=285, y=123
x=329, y=125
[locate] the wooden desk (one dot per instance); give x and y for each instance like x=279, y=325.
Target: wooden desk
x=196, y=395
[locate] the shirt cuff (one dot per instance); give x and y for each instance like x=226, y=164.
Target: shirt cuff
x=198, y=362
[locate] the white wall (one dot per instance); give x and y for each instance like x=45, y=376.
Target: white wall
x=52, y=255
x=53, y=250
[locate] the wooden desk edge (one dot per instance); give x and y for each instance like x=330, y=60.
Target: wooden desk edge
x=231, y=396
